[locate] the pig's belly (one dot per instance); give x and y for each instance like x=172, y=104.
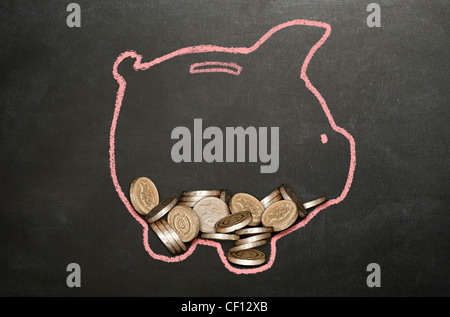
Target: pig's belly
x=168, y=95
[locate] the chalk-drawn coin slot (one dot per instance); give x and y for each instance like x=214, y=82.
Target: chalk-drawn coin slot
x=215, y=67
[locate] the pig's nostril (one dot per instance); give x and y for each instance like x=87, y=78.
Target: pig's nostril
x=215, y=67
x=324, y=138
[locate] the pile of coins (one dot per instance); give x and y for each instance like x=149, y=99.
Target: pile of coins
x=217, y=215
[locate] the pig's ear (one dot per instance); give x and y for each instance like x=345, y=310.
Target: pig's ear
x=126, y=63
x=286, y=46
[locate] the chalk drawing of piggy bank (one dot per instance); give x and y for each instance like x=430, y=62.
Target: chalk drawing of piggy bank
x=213, y=60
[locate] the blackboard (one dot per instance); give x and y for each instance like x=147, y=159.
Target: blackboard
x=362, y=114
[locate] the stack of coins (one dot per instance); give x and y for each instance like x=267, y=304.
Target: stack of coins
x=252, y=237
x=236, y=225
x=163, y=229
x=216, y=215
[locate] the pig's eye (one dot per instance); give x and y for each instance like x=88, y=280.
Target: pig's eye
x=324, y=138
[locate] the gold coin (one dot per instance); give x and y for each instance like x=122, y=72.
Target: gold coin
x=289, y=194
x=249, y=245
x=184, y=221
x=248, y=257
x=168, y=236
x=315, y=202
x=225, y=195
x=209, y=210
x=220, y=236
x=161, y=209
x=246, y=202
x=253, y=238
x=274, y=199
x=253, y=230
x=163, y=238
x=208, y=192
x=233, y=222
x=175, y=236
x=143, y=195
x=269, y=197
x=280, y=215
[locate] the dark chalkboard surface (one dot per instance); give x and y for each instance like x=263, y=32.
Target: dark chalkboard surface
x=361, y=113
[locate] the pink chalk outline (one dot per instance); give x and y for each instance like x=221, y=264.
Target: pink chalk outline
x=138, y=65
